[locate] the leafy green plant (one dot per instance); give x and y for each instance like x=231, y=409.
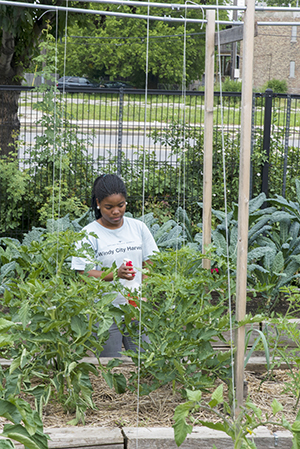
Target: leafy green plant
x=61, y=170
x=181, y=323
x=278, y=86
x=241, y=429
x=275, y=250
x=13, y=184
x=229, y=85
x=283, y=335
x=26, y=427
x=189, y=173
x=54, y=311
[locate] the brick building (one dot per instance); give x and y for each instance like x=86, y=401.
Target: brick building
x=276, y=50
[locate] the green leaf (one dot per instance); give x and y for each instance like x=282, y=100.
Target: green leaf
x=296, y=426
x=181, y=428
x=276, y=406
x=278, y=263
x=71, y=367
x=104, y=325
x=5, y=325
x=214, y=426
x=10, y=411
x=78, y=326
x=19, y=433
x=119, y=382
x=107, y=298
x=14, y=365
x=180, y=368
x=24, y=314
x=109, y=379
x=6, y=444
x=194, y=395
x=218, y=394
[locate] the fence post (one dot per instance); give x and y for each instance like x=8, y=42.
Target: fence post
x=286, y=142
x=266, y=141
x=120, y=131
x=252, y=145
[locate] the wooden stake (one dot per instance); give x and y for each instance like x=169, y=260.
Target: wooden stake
x=208, y=132
x=244, y=187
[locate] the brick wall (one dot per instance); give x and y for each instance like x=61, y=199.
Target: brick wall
x=276, y=50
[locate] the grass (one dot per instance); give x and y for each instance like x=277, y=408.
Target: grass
x=166, y=109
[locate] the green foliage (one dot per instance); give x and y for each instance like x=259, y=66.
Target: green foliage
x=180, y=322
x=117, y=47
x=274, y=253
x=13, y=184
x=26, y=427
x=186, y=181
x=60, y=160
x=283, y=335
x=54, y=183
x=54, y=311
x=229, y=85
x=278, y=86
x=240, y=428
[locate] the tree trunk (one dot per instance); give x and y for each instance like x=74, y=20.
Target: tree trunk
x=9, y=121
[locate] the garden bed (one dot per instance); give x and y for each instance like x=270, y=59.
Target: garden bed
x=157, y=409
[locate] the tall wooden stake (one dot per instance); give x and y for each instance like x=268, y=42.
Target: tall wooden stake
x=208, y=132
x=244, y=184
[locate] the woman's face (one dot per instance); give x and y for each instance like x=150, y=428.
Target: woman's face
x=112, y=210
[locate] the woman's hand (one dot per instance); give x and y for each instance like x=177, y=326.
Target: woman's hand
x=126, y=272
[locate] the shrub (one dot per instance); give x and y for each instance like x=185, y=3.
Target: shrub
x=278, y=86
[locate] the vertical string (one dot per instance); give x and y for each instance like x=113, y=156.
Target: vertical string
x=54, y=140
x=181, y=123
x=60, y=149
x=226, y=221
x=143, y=213
x=55, y=105
x=183, y=114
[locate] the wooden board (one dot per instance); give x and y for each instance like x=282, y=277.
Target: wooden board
x=83, y=437
x=200, y=438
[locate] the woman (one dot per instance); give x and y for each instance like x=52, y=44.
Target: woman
x=118, y=238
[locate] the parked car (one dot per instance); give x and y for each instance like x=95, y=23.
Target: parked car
x=116, y=84
x=75, y=82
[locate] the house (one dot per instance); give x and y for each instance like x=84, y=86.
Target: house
x=276, y=50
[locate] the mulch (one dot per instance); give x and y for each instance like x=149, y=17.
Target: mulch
x=157, y=409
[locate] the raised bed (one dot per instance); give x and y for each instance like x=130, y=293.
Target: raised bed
x=154, y=438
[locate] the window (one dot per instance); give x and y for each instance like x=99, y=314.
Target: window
x=294, y=33
x=292, y=69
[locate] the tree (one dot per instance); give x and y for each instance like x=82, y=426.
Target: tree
x=20, y=30
x=116, y=46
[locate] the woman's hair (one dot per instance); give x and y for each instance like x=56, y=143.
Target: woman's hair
x=104, y=186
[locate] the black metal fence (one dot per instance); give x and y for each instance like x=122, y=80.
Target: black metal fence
x=156, y=147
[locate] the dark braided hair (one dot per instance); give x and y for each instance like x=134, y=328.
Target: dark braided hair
x=104, y=186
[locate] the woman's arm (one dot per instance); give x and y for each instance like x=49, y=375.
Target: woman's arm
x=123, y=273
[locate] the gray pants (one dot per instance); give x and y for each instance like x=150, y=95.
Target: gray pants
x=113, y=345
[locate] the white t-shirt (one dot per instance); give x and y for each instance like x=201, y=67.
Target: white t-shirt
x=132, y=240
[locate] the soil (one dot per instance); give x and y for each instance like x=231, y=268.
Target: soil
x=157, y=409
